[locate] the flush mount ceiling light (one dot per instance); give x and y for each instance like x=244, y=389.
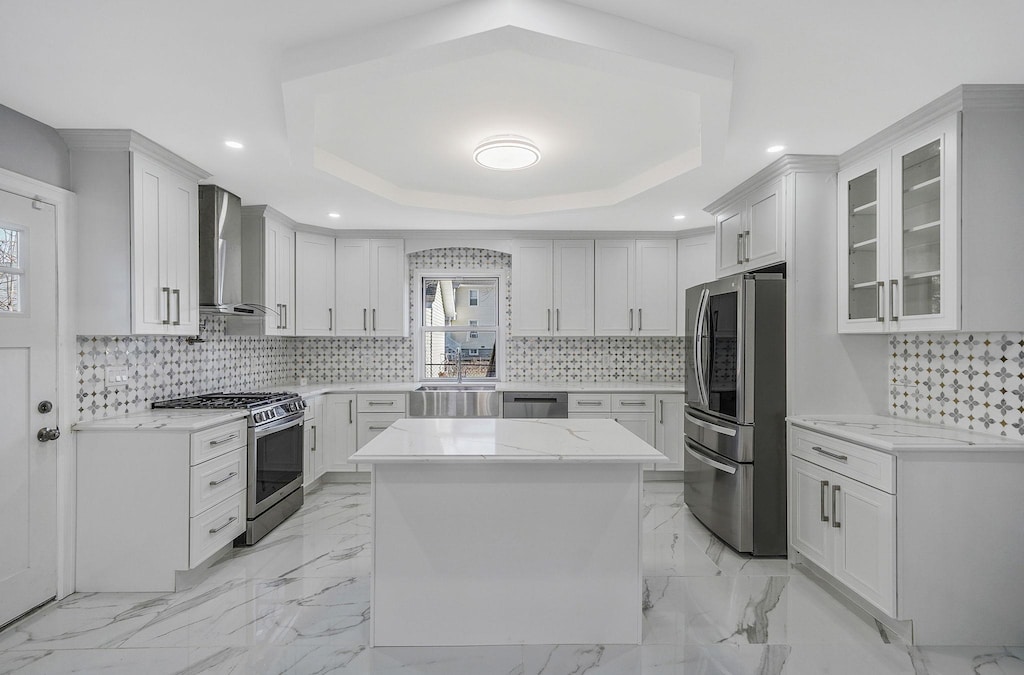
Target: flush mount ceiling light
x=506, y=153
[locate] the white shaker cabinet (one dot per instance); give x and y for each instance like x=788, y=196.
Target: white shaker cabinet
x=314, y=441
x=554, y=287
x=668, y=430
x=695, y=262
x=929, y=214
x=635, y=287
x=751, y=229
x=371, y=288
x=138, y=235
x=268, y=267
x=314, y=284
x=339, y=420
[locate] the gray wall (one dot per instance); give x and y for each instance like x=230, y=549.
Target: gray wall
x=33, y=149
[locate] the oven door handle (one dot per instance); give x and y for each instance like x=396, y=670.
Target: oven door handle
x=295, y=419
x=707, y=460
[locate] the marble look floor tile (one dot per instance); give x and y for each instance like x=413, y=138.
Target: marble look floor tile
x=328, y=512
x=280, y=661
x=590, y=659
x=503, y=660
x=972, y=660
x=92, y=661
x=670, y=553
x=298, y=555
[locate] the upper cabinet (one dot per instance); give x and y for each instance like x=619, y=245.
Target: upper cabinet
x=929, y=214
x=314, y=284
x=634, y=287
x=751, y=229
x=695, y=264
x=268, y=267
x=553, y=287
x=138, y=235
x=371, y=288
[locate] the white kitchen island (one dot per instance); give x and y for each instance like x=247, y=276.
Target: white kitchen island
x=494, y=531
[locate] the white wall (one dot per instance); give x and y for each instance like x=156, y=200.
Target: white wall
x=33, y=149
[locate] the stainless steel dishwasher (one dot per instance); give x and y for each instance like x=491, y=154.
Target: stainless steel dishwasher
x=535, y=404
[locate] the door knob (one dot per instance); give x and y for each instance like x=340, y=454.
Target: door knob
x=48, y=434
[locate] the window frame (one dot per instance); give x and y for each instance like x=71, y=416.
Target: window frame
x=20, y=273
x=499, y=328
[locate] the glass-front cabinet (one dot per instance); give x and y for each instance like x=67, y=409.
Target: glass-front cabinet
x=898, y=225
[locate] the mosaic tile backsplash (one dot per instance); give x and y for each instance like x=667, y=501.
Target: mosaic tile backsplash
x=168, y=367
x=970, y=380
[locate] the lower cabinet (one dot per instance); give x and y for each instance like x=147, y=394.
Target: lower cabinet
x=153, y=502
x=376, y=412
x=656, y=418
x=844, y=526
x=314, y=452
x=668, y=430
x=339, y=424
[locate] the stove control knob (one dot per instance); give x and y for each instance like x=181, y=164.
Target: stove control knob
x=258, y=417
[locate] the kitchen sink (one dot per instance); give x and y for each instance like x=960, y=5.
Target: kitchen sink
x=455, y=400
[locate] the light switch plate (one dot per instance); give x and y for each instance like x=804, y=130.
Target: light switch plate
x=116, y=377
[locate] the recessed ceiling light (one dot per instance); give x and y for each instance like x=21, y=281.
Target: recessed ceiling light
x=775, y=148
x=678, y=216
x=334, y=215
x=234, y=145
x=507, y=152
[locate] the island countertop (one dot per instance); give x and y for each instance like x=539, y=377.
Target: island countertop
x=507, y=440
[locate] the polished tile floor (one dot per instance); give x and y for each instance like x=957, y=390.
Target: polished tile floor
x=298, y=602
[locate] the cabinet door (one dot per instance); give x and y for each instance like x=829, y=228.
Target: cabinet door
x=925, y=231
x=809, y=512
x=182, y=225
x=352, y=286
x=765, y=236
x=151, y=294
x=641, y=424
x=314, y=284
x=656, y=287
x=695, y=264
x=668, y=430
x=532, y=283
x=863, y=239
x=389, y=283
x=284, y=278
x=573, y=287
x=864, y=535
x=339, y=415
x=614, y=287
x=308, y=454
x=278, y=259
x=730, y=234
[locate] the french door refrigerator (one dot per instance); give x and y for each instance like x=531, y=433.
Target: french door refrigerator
x=734, y=422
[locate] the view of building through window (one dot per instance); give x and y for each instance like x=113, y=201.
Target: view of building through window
x=452, y=305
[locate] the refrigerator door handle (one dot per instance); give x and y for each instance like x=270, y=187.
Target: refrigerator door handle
x=725, y=431
x=707, y=460
x=698, y=347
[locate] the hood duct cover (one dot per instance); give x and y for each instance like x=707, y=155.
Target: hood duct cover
x=220, y=253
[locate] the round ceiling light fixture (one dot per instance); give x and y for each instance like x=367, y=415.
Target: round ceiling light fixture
x=506, y=152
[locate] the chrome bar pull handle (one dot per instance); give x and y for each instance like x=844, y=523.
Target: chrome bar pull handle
x=746, y=246
x=377, y=428
x=350, y=411
x=880, y=303
x=177, y=304
x=835, y=494
x=167, y=291
x=893, y=295
x=640, y=320
x=558, y=321
x=824, y=491
x=374, y=319
x=330, y=319
x=313, y=431
x=364, y=318
x=224, y=439
x=630, y=320
x=218, y=529
x=225, y=479
x=662, y=420
x=279, y=313
x=739, y=248
x=833, y=455
x=549, y=320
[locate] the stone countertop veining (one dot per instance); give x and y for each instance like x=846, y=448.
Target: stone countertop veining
x=499, y=440
x=896, y=435
x=162, y=420
x=571, y=387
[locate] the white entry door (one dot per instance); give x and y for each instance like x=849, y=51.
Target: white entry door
x=28, y=382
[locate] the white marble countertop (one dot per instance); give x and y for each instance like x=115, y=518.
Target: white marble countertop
x=571, y=387
x=895, y=435
x=162, y=420
x=499, y=440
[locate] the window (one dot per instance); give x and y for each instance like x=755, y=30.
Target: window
x=12, y=270
x=450, y=306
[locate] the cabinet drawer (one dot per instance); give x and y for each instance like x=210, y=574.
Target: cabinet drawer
x=378, y=403
x=370, y=425
x=210, y=443
x=584, y=403
x=868, y=466
x=217, y=479
x=215, y=527
x=632, y=402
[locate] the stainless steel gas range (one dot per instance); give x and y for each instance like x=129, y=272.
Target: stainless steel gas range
x=274, y=456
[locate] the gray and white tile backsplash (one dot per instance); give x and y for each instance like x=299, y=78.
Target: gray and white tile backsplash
x=970, y=380
x=168, y=367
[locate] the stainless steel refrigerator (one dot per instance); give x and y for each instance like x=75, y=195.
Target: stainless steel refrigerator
x=735, y=459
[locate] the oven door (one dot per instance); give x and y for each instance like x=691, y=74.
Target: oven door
x=275, y=463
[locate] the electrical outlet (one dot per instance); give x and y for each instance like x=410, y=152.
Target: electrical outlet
x=116, y=377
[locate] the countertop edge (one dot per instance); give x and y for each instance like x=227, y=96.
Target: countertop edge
x=977, y=444
x=192, y=420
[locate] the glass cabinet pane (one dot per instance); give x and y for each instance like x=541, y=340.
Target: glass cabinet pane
x=862, y=224
x=921, y=186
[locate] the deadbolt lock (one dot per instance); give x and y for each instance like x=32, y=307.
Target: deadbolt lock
x=44, y=407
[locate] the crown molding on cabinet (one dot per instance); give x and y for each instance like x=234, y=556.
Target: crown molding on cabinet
x=132, y=141
x=783, y=165
x=965, y=96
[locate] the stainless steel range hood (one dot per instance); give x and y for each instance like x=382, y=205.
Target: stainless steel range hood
x=220, y=254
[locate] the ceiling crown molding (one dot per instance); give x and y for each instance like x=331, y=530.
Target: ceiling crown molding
x=131, y=141
x=784, y=165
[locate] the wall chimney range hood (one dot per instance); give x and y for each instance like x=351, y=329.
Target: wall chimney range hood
x=220, y=254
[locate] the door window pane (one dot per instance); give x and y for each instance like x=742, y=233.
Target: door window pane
x=11, y=270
